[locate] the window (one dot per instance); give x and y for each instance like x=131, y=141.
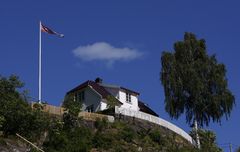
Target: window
x=90, y=108
x=128, y=97
x=81, y=96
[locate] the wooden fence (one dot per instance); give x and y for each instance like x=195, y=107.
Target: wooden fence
x=85, y=115
x=95, y=116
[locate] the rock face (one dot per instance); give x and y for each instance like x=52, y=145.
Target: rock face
x=13, y=145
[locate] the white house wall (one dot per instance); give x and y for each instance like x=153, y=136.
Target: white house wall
x=134, y=101
x=103, y=106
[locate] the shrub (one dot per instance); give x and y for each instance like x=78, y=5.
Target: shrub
x=127, y=134
x=101, y=124
x=155, y=135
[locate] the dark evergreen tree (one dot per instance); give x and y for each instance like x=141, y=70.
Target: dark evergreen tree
x=195, y=83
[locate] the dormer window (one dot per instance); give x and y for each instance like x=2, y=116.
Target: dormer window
x=128, y=97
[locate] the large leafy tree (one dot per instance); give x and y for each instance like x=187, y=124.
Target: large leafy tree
x=195, y=83
x=16, y=115
x=13, y=108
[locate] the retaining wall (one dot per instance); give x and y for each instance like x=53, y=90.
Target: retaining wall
x=156, y=120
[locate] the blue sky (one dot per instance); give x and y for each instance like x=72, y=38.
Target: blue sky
x=140, y=29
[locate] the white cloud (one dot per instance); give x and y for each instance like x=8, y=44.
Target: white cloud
x=105, y=52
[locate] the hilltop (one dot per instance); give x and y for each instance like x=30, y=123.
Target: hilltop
x=71, y=133
x=101, y=136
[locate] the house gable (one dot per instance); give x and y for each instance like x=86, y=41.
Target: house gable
x=101, y=90
x=96, y=94
x=127, y=97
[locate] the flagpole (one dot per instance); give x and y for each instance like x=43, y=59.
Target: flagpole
x=40, y=66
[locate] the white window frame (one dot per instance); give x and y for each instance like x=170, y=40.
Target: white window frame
x=128, y=98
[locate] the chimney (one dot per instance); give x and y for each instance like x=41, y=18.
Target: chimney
x=98, y=80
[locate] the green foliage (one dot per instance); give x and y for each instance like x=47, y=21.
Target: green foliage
x=70, y=118
x=70, y=121
x=103, y=140
x=72, y=134
x=12, y=106
x=155, y=135
x=72, y=106
x=195, y=83
x=101, y=124
x=61, y=139
x=127, y=134
x=37, y=123
x=207, y=140
x=112, y=102
x=2, y=121
x=16, y=114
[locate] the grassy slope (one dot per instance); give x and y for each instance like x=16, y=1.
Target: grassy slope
x=128, y=135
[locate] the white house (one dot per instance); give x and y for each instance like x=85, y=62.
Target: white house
x=93, y=95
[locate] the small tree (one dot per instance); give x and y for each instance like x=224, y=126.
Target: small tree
x=73, y=107
x=70, y=117
x=112, y=101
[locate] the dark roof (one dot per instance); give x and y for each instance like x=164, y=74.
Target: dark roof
x=128, y=90
x=101, y=90
x=144, y=108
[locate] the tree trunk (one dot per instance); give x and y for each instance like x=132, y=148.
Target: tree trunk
x=197, y=137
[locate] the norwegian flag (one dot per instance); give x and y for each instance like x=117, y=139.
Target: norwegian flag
x=49, y=31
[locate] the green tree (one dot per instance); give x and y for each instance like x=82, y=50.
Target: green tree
x=16, y=113
x=70, y=117
x=112, y=102
x=73, y=107
x=195, y=83
x=13, y=107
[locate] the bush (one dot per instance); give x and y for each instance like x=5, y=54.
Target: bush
x=155, y=135
x=127, y=134
x=62, y=138
x=101, y=124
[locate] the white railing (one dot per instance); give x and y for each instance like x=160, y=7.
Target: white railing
x=156, y=120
